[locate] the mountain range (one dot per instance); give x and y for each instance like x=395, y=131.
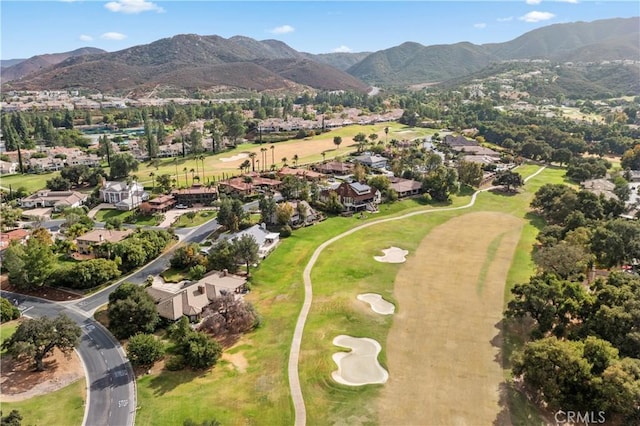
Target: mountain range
x=190, y=63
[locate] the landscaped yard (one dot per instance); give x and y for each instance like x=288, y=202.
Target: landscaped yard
x=201, y=217
x=105, y=214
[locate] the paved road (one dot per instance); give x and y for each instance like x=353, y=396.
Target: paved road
x=294, y=355
x=111, y=392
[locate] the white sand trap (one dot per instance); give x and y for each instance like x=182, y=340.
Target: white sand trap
x=378, y=304
x=360, y=366
x=234, y=157
x=393, y=255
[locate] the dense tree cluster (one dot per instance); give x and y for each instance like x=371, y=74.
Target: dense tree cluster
x=228, y=316
x=143, y=350
x=585, y=352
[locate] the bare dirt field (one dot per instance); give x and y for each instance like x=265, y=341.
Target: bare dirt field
x=19, y=381
x=443, y=349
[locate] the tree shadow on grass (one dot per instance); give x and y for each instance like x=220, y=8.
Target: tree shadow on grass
x=503, y=192
x=167, y=381
x=535, y=220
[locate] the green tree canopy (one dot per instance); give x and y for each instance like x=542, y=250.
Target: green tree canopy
x=35, y=338
x=131, y=310
x=144, y=350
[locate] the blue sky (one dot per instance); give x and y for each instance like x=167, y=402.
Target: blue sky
x=31, y=28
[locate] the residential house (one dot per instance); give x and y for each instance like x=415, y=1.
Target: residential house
x=86, y=242
x=267, y=241
x=334, y=168
x=405, y=187
x=600, y=187
x=309, y=175
x=372, y=161
x=6, y=238
x=125, y=196
x=48, y=164
x=355, y=196
x=476, y=150
x=190, y=299
x=160, y=204
x=310, y=215
x=197, y=194
x=59, y=200
x=8, y=168
x=458, y=141
x=238, y=186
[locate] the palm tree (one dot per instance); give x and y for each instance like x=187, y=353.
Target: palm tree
x=201, y=158
x=284, y=161
x=263, y=150
x=337, y=140
x=186, y=179
x=295, y=160
x=324, y=154
x=153, y=181
x=273, y=158
x=193, y=171
x=175, y=161
x=253, y=155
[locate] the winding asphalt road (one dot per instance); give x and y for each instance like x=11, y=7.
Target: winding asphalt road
x=111, y=390
x=294, y=354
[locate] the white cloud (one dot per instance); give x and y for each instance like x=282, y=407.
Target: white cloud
x=568, y=1
x=342, y=49
x=480, y=25
x=507, y=19
x=537, y=16
x=283, y=29
x=113, y=36
x=133, y=6
x=85, y=37
x=533, y=1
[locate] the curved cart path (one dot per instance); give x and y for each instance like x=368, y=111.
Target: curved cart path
x=294, y=354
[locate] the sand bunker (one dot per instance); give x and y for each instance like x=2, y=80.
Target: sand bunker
x=234, y=158
x=393, y=255
x=378, y=304
x=360, y=366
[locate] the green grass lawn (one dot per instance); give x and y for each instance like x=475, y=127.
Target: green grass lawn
x=62, y=407
x=203, y=216
x=173, y=275
x=31, y=182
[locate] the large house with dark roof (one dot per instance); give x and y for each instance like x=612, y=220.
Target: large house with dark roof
x=355, y=196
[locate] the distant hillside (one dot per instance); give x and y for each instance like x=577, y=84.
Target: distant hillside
x=189, y=62
x=594, y=40
x=413, y=63
x=340, y=60
x=5, y=63
x=37, y=63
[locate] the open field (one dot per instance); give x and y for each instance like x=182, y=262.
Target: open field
x=443, y=349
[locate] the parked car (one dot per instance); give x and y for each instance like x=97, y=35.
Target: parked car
x=181, y=206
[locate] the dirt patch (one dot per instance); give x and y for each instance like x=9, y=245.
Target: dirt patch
x=48, y=293
x=19, y=380
x=238, y=361
x=443, y=349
